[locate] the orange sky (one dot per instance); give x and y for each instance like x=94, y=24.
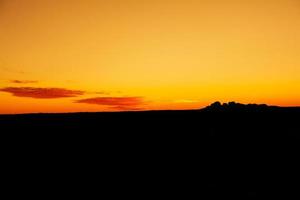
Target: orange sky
x=94, y=55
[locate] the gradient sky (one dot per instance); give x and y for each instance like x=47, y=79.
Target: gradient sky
x=99, y=55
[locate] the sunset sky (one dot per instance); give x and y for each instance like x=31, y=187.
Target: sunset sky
x=115, y=55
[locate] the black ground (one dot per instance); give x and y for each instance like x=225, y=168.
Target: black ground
x=231, y=150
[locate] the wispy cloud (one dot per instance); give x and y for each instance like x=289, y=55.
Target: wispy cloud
x=42, y=93
x=118, y=103
x=23, y=81
x=100, y=93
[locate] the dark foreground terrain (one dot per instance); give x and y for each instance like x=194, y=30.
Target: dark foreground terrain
x=223, y=151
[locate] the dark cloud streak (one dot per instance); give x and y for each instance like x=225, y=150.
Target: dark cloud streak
x=23, y=81
x=42, y=93
x=118, y=103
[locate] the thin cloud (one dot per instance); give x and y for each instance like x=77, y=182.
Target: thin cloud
x=100, y=93
x=118, y=103
x=42, y=93
x=125, y=108
x=23, y=81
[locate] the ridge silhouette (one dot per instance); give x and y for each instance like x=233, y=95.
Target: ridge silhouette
x=228, y=150
x=233, y=106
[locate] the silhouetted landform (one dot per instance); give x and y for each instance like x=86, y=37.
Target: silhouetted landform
x=232, y=106
x=228, y=150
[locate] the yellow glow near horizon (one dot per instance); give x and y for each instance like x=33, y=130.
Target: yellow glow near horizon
x=175, y=54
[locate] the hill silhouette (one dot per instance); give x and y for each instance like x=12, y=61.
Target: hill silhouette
x=224, y=150
x=233, y=106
